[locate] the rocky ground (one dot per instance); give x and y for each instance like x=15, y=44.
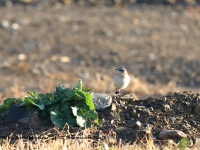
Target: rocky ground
x=42, y=47
x=126, y=120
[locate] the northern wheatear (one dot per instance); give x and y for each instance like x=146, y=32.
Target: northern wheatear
x=121, y=79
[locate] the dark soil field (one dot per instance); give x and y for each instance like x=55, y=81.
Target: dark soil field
x=159, y=45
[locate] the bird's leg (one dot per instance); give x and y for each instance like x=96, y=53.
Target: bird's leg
x=117, y=91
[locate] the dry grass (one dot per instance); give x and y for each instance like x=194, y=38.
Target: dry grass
x=79, y=144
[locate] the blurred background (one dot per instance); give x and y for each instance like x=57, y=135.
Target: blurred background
x=46, y=43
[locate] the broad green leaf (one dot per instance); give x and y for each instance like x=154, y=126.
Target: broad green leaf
x=67, y=112
x=30, y=101
x=74, y=95
x=57, y=118
x=61, y=116
x=7, y=102
x=60, y=94
x=46, y=99
x=32, y=94
x=88, y=101
x=90, y=116
x=87, y=113
x=81, y=119
x=64, y=106
x=86, y=98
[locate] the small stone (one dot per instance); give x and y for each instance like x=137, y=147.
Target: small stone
x=122, y=129
x=45, y=136
x=172, y=119
x=188, y=125
x=5, y=24
x=171, y=134
x=15, y=26
x=167, y=106
x=22, y=56
x=65, y=59
x=113, y=107
x=151, y=109
x=164, y=99
x=138, y=123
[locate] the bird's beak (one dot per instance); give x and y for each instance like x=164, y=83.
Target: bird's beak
x=117, y=69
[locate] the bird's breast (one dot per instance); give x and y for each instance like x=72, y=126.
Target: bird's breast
x=121, y=82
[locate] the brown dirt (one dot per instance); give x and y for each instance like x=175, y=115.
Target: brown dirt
x=176, y=111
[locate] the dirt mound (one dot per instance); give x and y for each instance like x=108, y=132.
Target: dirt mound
x=127, y=119
x=130, y=119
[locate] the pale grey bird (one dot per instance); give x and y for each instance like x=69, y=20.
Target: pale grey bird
x=121, y=79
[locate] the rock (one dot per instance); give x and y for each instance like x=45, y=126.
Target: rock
x=171, y=134
x=22, y=114
x=122, y=129
x=167, y=106
x=101, y=100
x=138, y=124
x=172, y=119
x=4, y=24
x=113, y=107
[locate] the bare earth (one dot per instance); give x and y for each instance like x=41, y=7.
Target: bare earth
x=42, y=47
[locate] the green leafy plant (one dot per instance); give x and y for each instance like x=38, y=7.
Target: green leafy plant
x=73, y=107
x=183, y=144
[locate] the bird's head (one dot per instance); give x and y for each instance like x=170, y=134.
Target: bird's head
x=121, y=70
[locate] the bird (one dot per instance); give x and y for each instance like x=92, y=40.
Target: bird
x=121, y=79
